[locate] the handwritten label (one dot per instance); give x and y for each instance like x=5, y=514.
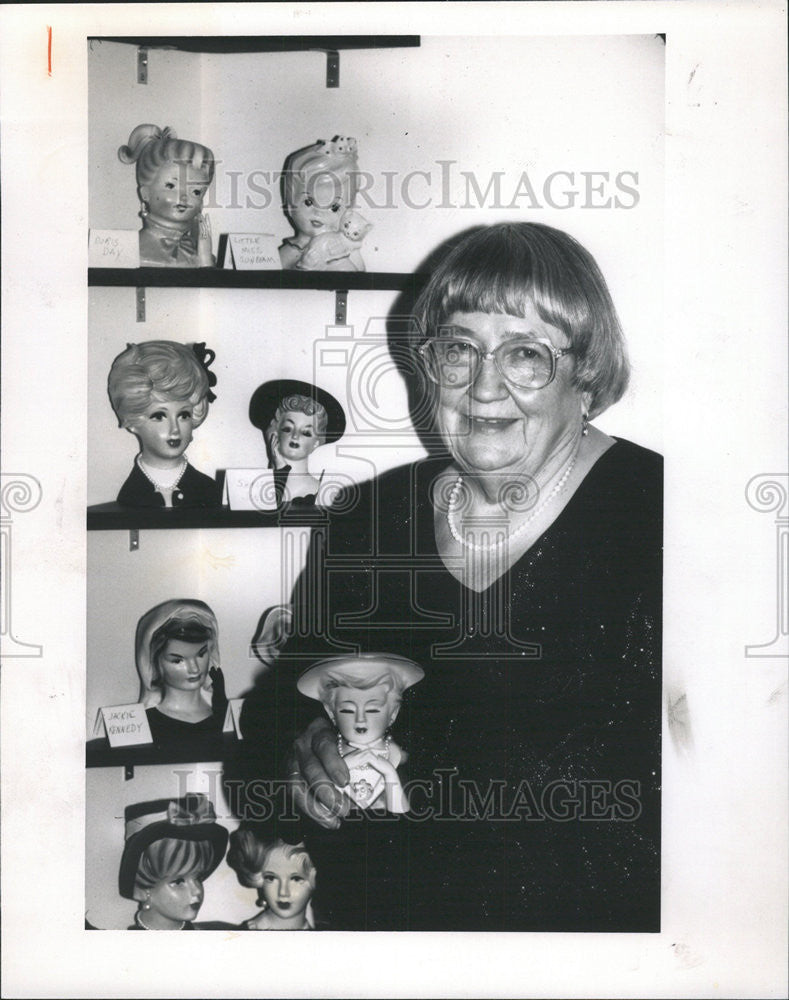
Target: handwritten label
x=253, y=252
x=250, y=489
x=114, y=248
x=123, y=725
x=233, y=717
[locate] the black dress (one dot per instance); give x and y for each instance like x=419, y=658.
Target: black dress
x=534, y=738
x=194, y=490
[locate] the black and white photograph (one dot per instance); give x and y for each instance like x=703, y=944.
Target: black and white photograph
x=349, y=591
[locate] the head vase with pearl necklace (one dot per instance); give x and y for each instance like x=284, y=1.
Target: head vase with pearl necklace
x=497, y=269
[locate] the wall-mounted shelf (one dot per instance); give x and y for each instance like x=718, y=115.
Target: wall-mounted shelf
x=217, y=277
x=226, y=746
x=264, y=43
x=114, y=517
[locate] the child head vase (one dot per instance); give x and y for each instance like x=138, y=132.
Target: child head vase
x=173, y=176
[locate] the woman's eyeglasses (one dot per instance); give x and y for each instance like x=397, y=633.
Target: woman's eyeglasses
x=526, y=364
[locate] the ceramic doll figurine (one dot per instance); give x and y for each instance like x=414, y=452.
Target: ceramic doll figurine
x=329, y=248
x=361, y=695
x=177, y=657
x=160, y=391
x=318, y=185
x=284, y=877
x=295, y=418
x=171, y=848
x=173, y=176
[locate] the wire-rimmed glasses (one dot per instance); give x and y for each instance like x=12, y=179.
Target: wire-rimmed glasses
x=524, y=363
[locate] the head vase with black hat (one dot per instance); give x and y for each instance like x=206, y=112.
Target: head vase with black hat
x=295, y=418
x=171, y=847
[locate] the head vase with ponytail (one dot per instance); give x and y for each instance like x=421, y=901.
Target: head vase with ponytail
x=151, y=147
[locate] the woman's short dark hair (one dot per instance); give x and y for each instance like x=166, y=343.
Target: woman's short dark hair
x=499, y=268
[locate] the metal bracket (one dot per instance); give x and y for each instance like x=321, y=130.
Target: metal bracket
x=140, y=293
x=340, y=307
x=134, y=539
x=332, y=68
x=142, y=64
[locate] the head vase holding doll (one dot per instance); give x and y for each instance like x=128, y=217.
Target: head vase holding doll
x=176, y=626
x=319, y=183
x=171, y=847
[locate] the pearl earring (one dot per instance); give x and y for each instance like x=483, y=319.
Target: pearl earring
x=143, y=209
x=585, y=423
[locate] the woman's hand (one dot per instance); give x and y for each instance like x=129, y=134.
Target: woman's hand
x=315, y=771
x=205, y=257
x=272, y=440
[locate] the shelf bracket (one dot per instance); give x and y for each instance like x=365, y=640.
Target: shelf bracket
x=332, y=68
x=340, y=307
x=142, y=64
x=128, y=772
x=140, y=293
x=134, y=539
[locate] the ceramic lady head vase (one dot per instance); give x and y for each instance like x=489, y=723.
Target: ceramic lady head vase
x=283, y=875
x=173, y=176
x=362, y=695
x=171, y=847
x=160, y=391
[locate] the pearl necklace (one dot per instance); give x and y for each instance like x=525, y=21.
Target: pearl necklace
x=139, y=921
x=476, y=546
x=384, y=755
x=161, y=487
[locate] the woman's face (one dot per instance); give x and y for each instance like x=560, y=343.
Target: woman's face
x=296, y=435
x=363, y=715
x=178, y=898
x=492, y=426
x=175, y=195
x=184, y=665
x=164, y=431
x=285, y=887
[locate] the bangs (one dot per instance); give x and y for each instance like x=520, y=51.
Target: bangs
x=169, y=858
x=504, y=268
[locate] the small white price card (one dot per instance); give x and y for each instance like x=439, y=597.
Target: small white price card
x=233, y=717
x=114, y=248
x=250, y=489
x=253, y=252
x=124, y=725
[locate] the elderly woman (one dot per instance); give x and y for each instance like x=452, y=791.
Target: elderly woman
x=522, y=568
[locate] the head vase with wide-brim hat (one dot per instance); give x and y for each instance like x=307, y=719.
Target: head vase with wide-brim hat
x=189, y=818
x=267, y=398
x=357, y=670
